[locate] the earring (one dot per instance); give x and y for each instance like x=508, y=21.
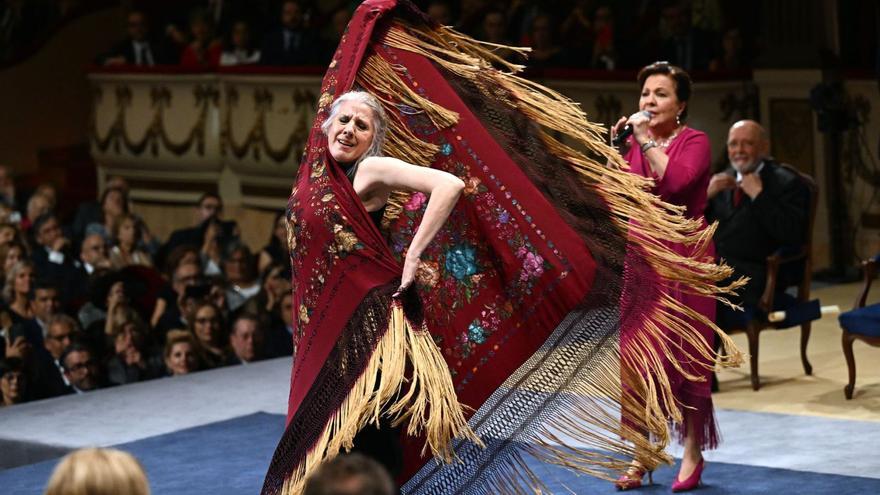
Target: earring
x=678, y=119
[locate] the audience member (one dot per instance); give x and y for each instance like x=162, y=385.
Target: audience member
x=350, y=474
x=114, y=204
x=293, y=43
x=37, y=206
x=93, y=211
x=133, y=359
x=93, y=255
x=17, y=290
x=546, y=52
x=276, y=283
x=7, y=187
x=275, y=251
x=241, y=275
x=207, y=325
x=138, y=48
x=494, y=30
x=126, y=239
x=239, y=48
x=760, y=207
x=81, y=368
x=204, y=49
x=440, y=11
x=689, y=47
x=52, y=256
x=333, y=33
x=246, y=338
x=61, y=332
x=181, y=354
x=170, y=306
x=210, y=234
x=13, y=382
x=731, y=56
x=279, y=334
x=98, y=472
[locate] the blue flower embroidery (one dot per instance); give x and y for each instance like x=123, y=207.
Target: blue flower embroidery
x=461, y=262
x=446, y=149
x=476, y=333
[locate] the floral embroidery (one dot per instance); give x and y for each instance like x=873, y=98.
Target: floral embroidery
x=346, y=240
x=461, y=262
x=416, y=202
x=428, y=274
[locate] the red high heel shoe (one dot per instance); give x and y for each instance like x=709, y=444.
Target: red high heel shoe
x=692, y=481
x=633, y=479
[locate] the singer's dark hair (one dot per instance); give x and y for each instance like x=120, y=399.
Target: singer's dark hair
x=678, y=75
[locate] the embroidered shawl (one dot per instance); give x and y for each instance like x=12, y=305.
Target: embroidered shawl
x=510, y=340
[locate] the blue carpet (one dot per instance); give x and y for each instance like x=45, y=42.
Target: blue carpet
x=230, y=457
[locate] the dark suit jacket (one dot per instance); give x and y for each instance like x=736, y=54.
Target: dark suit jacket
x=304, y=48
x=163, y=53
x=747, y=234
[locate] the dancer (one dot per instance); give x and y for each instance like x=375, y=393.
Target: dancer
x=510, y=330
x=677, y=158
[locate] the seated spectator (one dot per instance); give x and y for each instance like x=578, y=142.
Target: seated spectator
x=52, y=256
x=731, y=56
x=604, y=55
x=50, y=192
x=440, y=11
x=241, y=275
x=169, y=311
x=276, y=283
x=210, y=235
x=293, y=43
x=546, y=52
x=181, y=353
x=246, y=339
x=760, y=207
x=7, y=188
x=98, y=472
x=494, y=30
x=686, y=46
x=82, y=368
x=133, y=359
x=114, y=204
x=93, y=211
x=279, y=334
x=93, y=255
x=13, y=382
x=9, y=234
x=138, y=48
x=350, y=474
x=106, y=291
x=204, y=50
x=45, y=303
x=275, y=251
x=207, y=325
x=239, y=49
x=61, y=332
x=17, y=290
x=333, y=33
x=126, y=239
x=11, y=254
x=37, y=206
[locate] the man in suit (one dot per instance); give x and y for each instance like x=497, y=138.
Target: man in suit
x=138, y=48
x=759, y=205
x=293, y=43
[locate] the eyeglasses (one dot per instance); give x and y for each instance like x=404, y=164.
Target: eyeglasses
x=74, y=368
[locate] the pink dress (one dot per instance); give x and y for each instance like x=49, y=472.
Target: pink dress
x=684, y=184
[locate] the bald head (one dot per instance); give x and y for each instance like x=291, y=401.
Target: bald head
x=747, y=145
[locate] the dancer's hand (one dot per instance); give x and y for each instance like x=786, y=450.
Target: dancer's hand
x=410, y=267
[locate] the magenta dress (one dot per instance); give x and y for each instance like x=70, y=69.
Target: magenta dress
x=684, y=184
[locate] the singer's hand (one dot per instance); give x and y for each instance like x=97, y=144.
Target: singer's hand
x=615, y=130
x=639, y=121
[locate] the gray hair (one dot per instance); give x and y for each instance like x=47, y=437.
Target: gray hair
x=380, y=121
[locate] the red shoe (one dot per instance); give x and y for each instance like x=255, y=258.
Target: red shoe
x=633, y=479
x=691, y=482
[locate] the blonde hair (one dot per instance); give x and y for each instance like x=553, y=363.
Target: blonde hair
x=98, y=472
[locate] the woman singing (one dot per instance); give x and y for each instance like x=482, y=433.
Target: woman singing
x=677, y=157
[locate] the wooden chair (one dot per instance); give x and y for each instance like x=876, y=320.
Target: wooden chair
x=862, y=323
x=797, y=259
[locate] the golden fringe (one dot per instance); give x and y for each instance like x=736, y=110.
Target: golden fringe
x=652, y=224
x=428, y=405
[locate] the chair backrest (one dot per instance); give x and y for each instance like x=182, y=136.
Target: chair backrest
x=812, y=188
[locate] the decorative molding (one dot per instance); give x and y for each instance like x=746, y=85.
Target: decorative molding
x=256, y=142
x=156, y=135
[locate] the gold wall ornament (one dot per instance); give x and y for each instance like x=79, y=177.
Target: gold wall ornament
x=156, y=134
x=256, y=142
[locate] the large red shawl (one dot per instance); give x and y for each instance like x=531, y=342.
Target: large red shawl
x=521, y=297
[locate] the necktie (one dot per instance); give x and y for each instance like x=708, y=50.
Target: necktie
x=737, y=197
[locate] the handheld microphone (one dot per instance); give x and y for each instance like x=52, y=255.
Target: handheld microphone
x=627, y=130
